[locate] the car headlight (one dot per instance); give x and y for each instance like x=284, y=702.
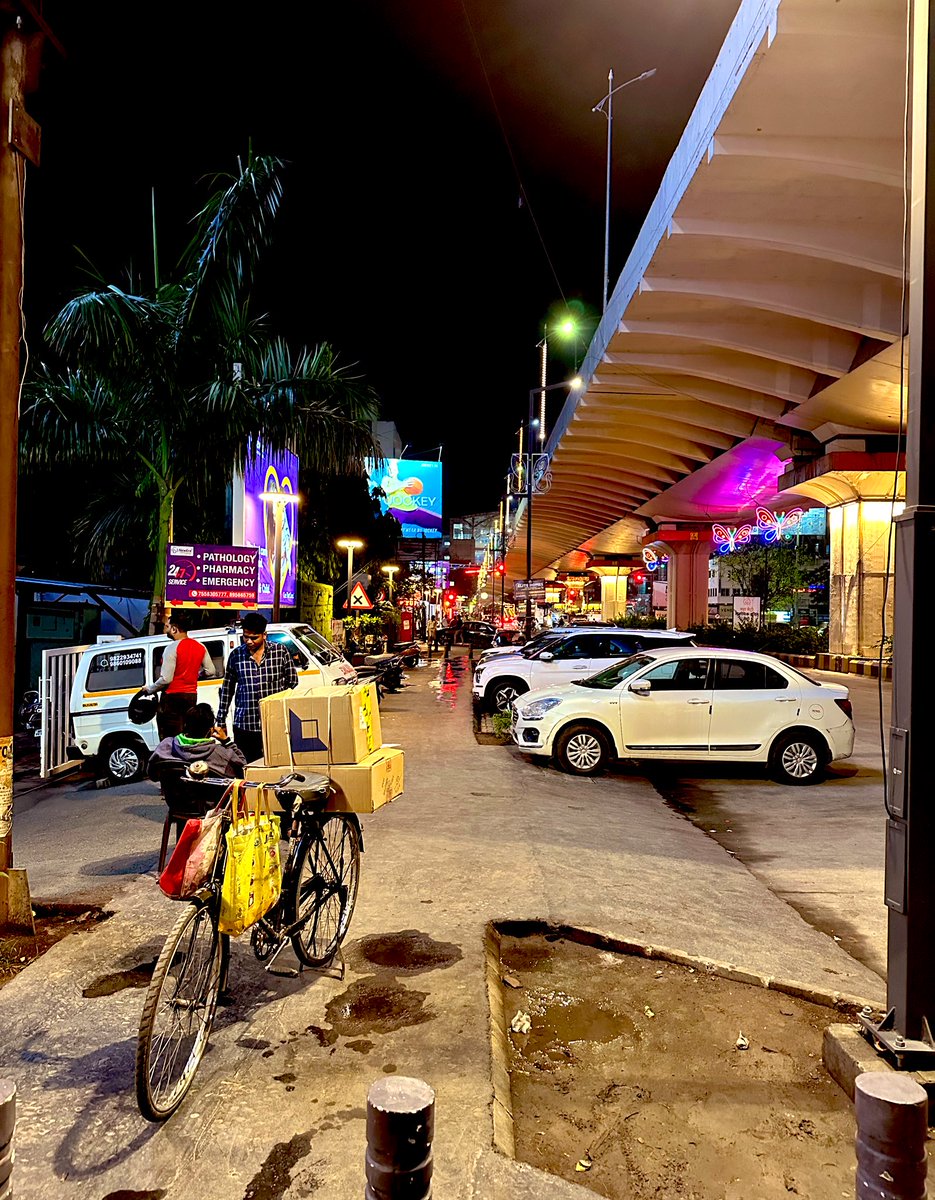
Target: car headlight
x=478, y=671
x=532, y=712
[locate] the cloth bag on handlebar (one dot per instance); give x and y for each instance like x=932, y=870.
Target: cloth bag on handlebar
x=253, y=873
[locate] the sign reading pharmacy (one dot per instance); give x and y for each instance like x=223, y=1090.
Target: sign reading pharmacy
x=212, y=576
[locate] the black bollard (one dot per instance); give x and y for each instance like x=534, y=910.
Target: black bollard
x=400, y=1130
x=7, y=1124
x=892, y=1117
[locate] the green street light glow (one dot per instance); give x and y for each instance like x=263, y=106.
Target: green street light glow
x=568, y=328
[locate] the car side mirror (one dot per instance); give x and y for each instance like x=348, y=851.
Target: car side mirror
x=546, y=656
x=642, y=687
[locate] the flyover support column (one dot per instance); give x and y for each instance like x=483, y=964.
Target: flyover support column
x=614, y=595
x=859, y=534
x=689, y=550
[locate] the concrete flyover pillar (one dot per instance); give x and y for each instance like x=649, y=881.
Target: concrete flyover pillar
x=689, y=548
x=860, y=535
x=858, y=490
x=614, y=595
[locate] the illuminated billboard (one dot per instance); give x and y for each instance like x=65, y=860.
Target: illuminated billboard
x=255, y=520
x=413, y=494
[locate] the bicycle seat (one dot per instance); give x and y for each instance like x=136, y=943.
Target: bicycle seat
x=313, y=791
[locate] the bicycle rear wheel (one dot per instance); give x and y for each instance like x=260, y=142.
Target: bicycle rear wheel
x=325, y=889
x=179, y=1011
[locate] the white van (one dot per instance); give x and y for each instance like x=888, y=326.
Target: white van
x=109, y=676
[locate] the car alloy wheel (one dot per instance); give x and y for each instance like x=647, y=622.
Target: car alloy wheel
x=584, y=751
x=504, y=696
x=799, y=760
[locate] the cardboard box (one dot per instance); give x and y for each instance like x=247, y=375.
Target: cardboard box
x=296, y=729
x=361, y=787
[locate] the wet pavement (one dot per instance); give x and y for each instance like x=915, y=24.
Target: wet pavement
x=277, y=1110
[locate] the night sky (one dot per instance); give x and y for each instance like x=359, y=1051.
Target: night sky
x=428, y=139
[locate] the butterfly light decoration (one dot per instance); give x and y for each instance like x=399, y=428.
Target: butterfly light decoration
x=728, y=539
x=653, y=560
x=774, y=526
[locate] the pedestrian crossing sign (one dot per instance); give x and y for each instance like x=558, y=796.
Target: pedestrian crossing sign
x=359, y=599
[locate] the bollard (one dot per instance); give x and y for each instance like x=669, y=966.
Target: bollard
x=7, y=1124
x=400, y=1129
x=892, y=1119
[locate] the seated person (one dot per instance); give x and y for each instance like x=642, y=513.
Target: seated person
x=195, y=744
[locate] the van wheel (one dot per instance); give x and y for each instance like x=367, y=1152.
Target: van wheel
x=123, y=759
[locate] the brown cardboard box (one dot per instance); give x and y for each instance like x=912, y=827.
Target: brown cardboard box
x=361, y=787
x=296, y=728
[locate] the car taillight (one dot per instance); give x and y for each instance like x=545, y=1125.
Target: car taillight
x=846, y=707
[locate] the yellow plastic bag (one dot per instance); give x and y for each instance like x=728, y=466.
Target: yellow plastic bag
x=253, y=872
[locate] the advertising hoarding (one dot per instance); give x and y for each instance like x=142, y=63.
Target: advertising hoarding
x=413, y=493
x=211, y=576
x=255, y=520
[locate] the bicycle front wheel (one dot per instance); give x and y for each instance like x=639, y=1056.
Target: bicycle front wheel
x=325, y=889
x=179, y=1011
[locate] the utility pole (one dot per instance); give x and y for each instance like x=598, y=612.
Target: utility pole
x=910, y=828
x=19, y=142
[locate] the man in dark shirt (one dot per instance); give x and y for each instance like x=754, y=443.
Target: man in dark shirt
x=256, y=669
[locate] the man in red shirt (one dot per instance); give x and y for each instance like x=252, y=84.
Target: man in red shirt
x=182, y=662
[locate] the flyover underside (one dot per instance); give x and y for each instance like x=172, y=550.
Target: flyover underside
x=761, y=311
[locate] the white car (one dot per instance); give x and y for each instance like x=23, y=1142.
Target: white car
x=577, y=654
x=700, y=704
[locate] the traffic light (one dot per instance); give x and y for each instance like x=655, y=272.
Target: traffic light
x=639, y=578
x=500, y=568
x=572, y=594
x=451, y=597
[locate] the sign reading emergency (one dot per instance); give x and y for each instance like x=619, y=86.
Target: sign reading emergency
x=359, y=599
x=212, y=576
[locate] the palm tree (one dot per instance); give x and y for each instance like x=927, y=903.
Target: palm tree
x=171, y=390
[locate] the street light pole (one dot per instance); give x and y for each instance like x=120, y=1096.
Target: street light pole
x=350, y=545
x=608, y=100
x=574, y=384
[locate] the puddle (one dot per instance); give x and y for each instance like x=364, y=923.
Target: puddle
x=409, y=951
x=129, y=1194
x=563, y=1024
x=361, y=1045
x=274, y=1177
x=371, y=1006
x=450, y=678
x=118, y=981
x=526, y=954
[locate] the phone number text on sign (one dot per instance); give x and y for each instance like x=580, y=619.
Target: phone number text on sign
x=212, y=576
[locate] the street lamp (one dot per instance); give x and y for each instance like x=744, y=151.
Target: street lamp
x=390, y=572
x=350, y=545
x=567, y=328
x=609, y=114
x=279, y=501
x=574, y=385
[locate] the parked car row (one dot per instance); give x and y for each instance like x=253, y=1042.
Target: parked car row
x=587, y=698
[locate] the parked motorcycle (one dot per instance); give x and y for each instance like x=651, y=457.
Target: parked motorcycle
x=29, y=713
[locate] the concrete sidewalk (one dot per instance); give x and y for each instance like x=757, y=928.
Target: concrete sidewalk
x=278, y=1107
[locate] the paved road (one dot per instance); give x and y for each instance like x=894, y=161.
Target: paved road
x=818, y=848
x=481, y=834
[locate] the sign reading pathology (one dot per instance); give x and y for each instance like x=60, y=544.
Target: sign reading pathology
x=413, y=493
x=265, y=473
x=212, y=576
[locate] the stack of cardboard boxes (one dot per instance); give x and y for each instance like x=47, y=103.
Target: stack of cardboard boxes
x=334, y=732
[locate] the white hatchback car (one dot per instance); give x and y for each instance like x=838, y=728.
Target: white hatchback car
x=700, y=704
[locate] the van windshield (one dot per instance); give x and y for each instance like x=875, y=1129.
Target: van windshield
x=313, y=641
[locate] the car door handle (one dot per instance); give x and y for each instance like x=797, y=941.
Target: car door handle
x=582, y=668
x=697, y=700
x=786, y=699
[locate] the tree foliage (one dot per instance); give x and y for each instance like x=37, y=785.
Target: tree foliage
x=153, y=394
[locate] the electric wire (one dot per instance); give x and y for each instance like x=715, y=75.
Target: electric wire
x=901, y=432
x=509, y=147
